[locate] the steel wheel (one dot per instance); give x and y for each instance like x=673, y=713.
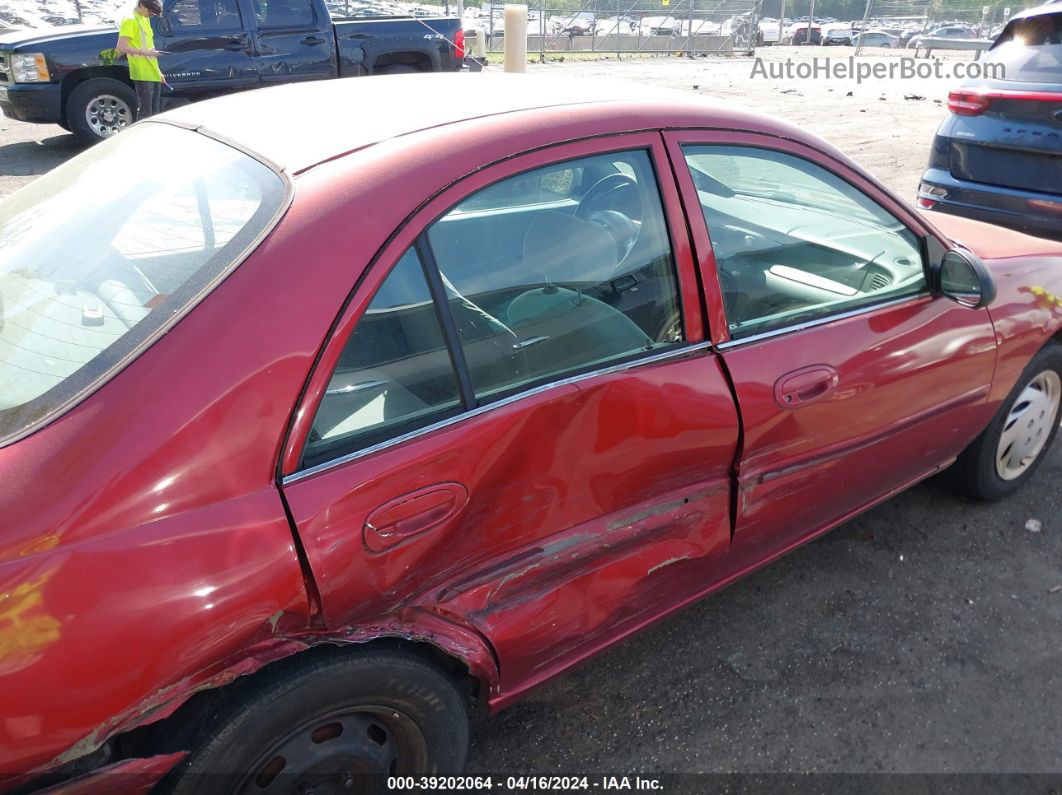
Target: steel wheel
x=345, y=750
x=108, y=115
x=1028, y=425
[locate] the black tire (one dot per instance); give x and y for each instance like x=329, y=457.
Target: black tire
x=976, y=473
x=397, y=69
x=374, y=713
x=100, y=88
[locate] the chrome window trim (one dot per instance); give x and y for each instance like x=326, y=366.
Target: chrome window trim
x=822, y=321
x=685, y=350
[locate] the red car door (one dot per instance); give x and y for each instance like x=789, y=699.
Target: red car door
x=519, y=425
x=853, y=380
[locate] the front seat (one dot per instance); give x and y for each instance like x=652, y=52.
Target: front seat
x=561, y=327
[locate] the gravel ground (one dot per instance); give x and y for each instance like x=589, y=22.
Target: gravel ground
x=922, y=637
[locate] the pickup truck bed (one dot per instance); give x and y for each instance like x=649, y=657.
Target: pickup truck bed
x=213, y=47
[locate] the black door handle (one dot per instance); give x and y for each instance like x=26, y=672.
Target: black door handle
x=313, y=40
x=235, y=45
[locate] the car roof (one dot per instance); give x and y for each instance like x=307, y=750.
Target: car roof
x=297, y=126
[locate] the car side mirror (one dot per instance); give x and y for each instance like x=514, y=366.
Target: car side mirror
x=163, y=25
x=962, y=277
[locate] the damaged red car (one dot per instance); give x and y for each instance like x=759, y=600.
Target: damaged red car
x=320, y=427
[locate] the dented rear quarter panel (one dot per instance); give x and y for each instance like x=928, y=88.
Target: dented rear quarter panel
x=144, y=548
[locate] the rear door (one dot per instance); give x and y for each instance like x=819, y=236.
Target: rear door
x=295, y=41
x=208, y=46
x=522, y=427
x=853, y=380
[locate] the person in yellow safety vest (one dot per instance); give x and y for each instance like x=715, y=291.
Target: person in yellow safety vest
x=137, y=40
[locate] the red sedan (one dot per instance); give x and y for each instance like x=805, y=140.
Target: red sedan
x=322, y=422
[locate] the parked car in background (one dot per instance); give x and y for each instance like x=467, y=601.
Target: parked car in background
x=800, y=35
x=998, y=154
x=946, y=32
x=836, y=36
x=769, y=32
x=76, y=79
x=876, y=38
x=338, y=423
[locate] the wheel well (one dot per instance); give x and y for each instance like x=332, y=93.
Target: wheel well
x=417, y=60
x=74, y=78
x=201, y=707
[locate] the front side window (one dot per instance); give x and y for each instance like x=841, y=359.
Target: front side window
x=794, y=242
x=91, y=266
x=394, y=373
x=541, y=290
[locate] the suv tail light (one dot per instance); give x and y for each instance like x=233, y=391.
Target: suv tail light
x=974, y=102
x=963, y=102
x=459, y=43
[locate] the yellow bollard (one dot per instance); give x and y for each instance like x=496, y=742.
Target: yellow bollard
x=515, y=42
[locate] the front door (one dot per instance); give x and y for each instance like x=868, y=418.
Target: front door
x=207, y=47
x=853, y=379
x=294, y=43
x=519, y=424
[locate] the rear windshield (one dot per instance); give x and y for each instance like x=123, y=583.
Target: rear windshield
x=103, y=252
x=1031, y=49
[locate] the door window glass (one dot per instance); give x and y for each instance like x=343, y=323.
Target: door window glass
x=538, y=290
x=794, y=242
x=283, y=13
x=394, y=374
x=200, y=15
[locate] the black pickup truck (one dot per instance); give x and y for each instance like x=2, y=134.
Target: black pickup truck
x=74, y=76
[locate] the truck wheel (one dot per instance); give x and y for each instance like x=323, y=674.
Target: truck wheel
x=397, y=69
x=100, y=108
x=337, y=722
x=1010, y=449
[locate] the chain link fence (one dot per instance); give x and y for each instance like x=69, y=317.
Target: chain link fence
x=691, y=27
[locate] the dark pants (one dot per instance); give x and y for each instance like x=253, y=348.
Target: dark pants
x=148, y=98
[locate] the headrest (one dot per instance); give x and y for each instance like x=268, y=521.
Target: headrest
x=569, y=250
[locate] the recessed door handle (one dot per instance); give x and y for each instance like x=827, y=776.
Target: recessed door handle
x=235, y=45
x=313, y=40
x=412, y=514
x=806, y=385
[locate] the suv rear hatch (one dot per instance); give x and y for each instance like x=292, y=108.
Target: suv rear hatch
x=1008, y=130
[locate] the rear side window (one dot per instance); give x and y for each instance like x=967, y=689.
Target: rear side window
x=507, y=294
x=200, y=15
x=91, y=267
x=394, y=373
x=547, y=186
x=283, y=13
x=540, y=291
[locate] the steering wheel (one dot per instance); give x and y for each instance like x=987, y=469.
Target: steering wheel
x=623, y=229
